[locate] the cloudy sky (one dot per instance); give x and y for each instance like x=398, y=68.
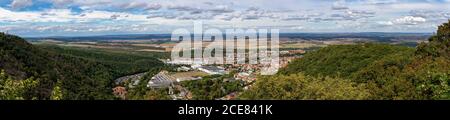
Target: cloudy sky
x=99, y=17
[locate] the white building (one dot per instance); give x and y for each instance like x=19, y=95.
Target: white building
x=212, y=70
x=160, y=80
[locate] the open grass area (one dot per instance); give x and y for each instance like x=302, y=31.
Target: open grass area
x=189, y=74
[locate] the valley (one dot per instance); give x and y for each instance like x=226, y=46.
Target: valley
x=141, y=68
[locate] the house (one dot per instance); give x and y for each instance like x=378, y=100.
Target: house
x=244, y=76
x=180, y=79
x=120, y=92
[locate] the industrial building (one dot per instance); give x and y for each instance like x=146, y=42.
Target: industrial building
x=161, y=80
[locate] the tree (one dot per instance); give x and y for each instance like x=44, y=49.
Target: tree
x=15, y=89
x=389, y=72
x=56, y=92
x=157, y=94
x=430, y=69
x=438, y=45
x=301, y=87
x=84, y=74
x=342, y=60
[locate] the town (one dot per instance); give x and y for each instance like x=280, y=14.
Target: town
x=246, y=74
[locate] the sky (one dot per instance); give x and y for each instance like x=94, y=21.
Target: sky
x=108, y=17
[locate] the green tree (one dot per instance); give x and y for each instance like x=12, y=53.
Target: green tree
x=301, y=87
x=430, y=69
x=56, y=92
x=211, y=87
x=157, y=94
x=341, y=60
x=15, y=89
x=438, y=45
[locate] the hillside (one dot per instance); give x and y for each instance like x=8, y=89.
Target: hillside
x=76, y=76
x=343, y=60
x=365, y=71
x=395, y=74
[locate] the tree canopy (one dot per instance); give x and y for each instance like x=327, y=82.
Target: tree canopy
x=365, y=71
x=67, y=73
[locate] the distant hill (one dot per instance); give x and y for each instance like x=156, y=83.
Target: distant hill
x=80, y=76
x=376, y=36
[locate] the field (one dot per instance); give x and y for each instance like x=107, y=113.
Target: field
x=301, y=45
x=152, y=43
x=189, y=74
x=141, y=49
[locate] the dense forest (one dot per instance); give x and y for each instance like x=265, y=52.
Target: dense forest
x=364, y=71
x=43, y=72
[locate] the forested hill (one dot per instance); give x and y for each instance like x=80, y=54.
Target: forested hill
x=345, y=60
x=32, y=72
x=364, y=71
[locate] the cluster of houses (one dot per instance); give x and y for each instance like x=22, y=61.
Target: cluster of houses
x=134, y=79
x=243, y=72
x=213, y=70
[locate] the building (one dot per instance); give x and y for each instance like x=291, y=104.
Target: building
x=161, y=80
x=181, y=79
x=183, y=68
x=130, y=78
x=120, y=91
x=186, y=61
x=212, y=70
x=244, y=76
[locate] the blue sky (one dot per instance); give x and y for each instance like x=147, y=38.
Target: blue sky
x=98, y=17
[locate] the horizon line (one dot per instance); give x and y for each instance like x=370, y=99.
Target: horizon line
x=124, y=34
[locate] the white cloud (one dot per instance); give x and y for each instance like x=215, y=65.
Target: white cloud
x=381, y=2
x=408, y=6
x=339, y=5
x=327, y=15
x=409, y=20
x=7, y=15
x=18, y=4
x=431, y=16
x=61, y=3
x=406, y=20
x=298, y=27
x=66, y=15
x=153, y=6
x=385, y=23
x=139, y=5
